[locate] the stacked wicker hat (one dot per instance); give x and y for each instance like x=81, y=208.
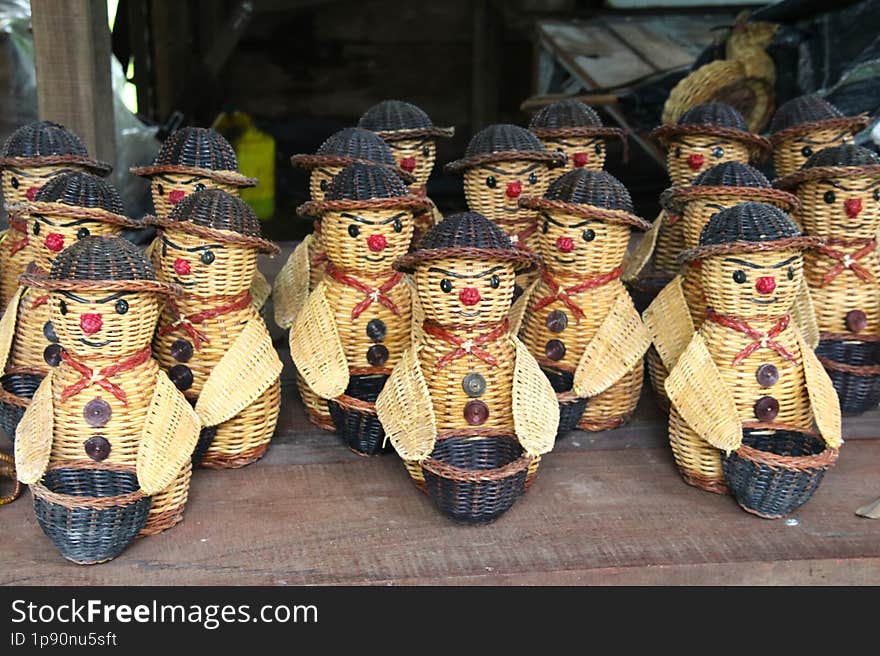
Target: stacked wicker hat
x=575, y=129
x=839, y=190
x=211, y=340
x=580, y=323
x=804, y=126
x=748, y=382
x=107, y=439
x=357, y=323
x=468, y=408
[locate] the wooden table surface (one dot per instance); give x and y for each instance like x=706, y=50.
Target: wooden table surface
x=605, y=508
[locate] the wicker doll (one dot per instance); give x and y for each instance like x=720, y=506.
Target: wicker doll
x=580, y=322
x=467, y=407
x=704, y=136
x=211, y=340
x=680, y=308
x=106, y=428
x=304, y=268
x=412, y=137
x=575, y=130
x=32, y=155
x=804, y=126
x=501, y=163
x=357, y=322
x=748, y=367
x=67, y=208
x=839, y=190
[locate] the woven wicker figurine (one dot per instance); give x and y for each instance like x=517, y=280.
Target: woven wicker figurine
x=467, y=407
x=680, y=307
x=839, y=190
x=804, y=126
x=304, y=268
x=501, y=163
x=357, y=322
x=704, y=136
x=211, y=340
x=67, y=208
x=29, y=158
x=412, y=137
x=580, y=322
x=575, y=130
x=747, y=381
x=106, y=428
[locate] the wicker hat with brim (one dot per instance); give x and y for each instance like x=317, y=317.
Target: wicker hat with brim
x=748, y=228
x=504, y=143
x=846, y=161
x=352, y=146
x=810, y=113
x=198, y=151
x=81, y=195
x=97, y=264
x=467, y=235
x=591, y=195
x=571, y=118
x=365, y=186
x=44, y=143
x=218, y=215
x=714, y=120
x=729, y=179
x=394, y=120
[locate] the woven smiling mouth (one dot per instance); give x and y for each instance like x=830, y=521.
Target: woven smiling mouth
x=381, y=258
x=185, y=284
x=470, y=315
x=561, y=261
x=764, y=301
x=94, y=344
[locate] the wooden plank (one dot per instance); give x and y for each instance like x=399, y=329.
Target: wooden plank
x=654, y=47
x=72, y=59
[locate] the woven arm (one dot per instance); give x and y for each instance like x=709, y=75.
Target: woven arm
x=803, y=315
x=518, y=309
x=823, y=397
x=535, y=408
x=405, y=410
x=291, y=287
x=7, y=326
x=643, y=251
x=418, y=312
x=33, y=437
x=669, y=323
x=260, y=290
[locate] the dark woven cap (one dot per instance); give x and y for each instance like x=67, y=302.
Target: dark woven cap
x=844, y=161
x=732, y=174
x=504, y=143
x=68, y=194
x=570, y=118
x=810, y=113
x=352, y=146
x=468, y=235
x=46, y=143
x=713, y=119
x=714, y=113
x=729, y=179
x=395, y=119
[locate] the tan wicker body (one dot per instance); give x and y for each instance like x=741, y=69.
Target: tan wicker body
x=788, y=155
x=163, y=185
x=594, y=147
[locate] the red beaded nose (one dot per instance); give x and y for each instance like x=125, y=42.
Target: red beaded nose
x=565, y=244
x=90, y=323
x=176, y=195
x=580, y=159
x=514, y=189
x=853, y=206
x=469, y=296
x=765, y=284
x=408, y=164
x=695, y=161
x=377, y=242
x=54, y=242
x=31, y=193
x=181, y=267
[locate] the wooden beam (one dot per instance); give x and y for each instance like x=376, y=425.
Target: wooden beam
x=72, y=57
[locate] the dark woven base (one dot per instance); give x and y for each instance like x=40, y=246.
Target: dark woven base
x=84, y=534
x=570, y=411
x=773, y=492
x=857, y=393
x=23, y=386
x=360, y=427
x=206, y=438
x=480, y=501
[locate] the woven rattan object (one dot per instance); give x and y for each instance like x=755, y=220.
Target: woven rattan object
x=748, y=361
x=356, y=324
x=106, y=408
x=32, y=155
x=839, y=190
x=211, y=340
x=467, y=407
x=579, y=321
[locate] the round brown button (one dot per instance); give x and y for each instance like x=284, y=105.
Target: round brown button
x=473, y=384
x=376, y=330
x=181, y=376
x=766, y=408
x=97, y=448
x=476, y=413
x=856, y=320
x=557, y=321
x=377, y=355
x=97, y=413
x=52, y=355
x=49, y=332
x=555, y=349
x=767, y=375
x=181, y=350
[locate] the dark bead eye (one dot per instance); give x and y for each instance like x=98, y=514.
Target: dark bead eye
x=806, y=151
x=426, y=151
x=63, y=307
x=718, y=152
x=545, y=227
x=353, y=230
x=160, y=189
x=36, y=226
x=121, y=306
x=877, y=194
x=589, y=234
x=398, y=225
x=14, y=182
x=559, y=149
x=739, y=277
x=82, y=232
x=491, y=182
x=829, y=197
x=446, y=285
x=791, y=273
x=495, y=282
x=199, y=187
x=207, y=257
x=533, y=178
x=597, y=149
x=678, y=151
x=323, y=185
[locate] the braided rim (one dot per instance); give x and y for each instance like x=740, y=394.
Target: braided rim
x=43, y=281
x=552, y=159
x=453, y=473
x=747, y=247
x=523, y=259
x=758, y=145
x=223, y=236
x=415, y=133
x=72, y=502
x=580, y=131
x=849, y=337
x=7, y=470
x=585, y=211
x=861, y=122
x=233, y=178
x=824, y=172
x=675, y=198
x=313, y=161
x=77, y=212
x=788, y=463
x=313, y=208
x=854, y=369
x=99, y=167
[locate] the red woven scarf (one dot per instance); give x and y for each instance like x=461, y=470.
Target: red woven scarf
x=563, y=294
x=762, y=340
x=102, y=378
x=188, y=323
x=466, y=345
x=372, y=294
x=847, y=260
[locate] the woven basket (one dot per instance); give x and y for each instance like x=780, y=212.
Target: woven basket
x=776, y=471
x=854, y=367
x=354, y=414
x=90, y=512
x=571, y=407
x=18, y=389
x=7, y=471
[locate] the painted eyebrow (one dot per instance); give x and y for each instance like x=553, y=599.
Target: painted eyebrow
x=80, y=299
x=418, y=144
x=720, y=142
x=563, y=142
x=495, y=169
x=807, y=140
x=360, y=219
x=453, y=274
x=321, y=169
x=562, y=225
x=837, y=185
x=75, y=222
x=716, y=206
x=751, y=265
x=167, y=241
x=164, y=178
x=779, y=265
x=39, y=176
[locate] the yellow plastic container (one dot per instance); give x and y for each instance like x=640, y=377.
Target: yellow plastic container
x=256, y=158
